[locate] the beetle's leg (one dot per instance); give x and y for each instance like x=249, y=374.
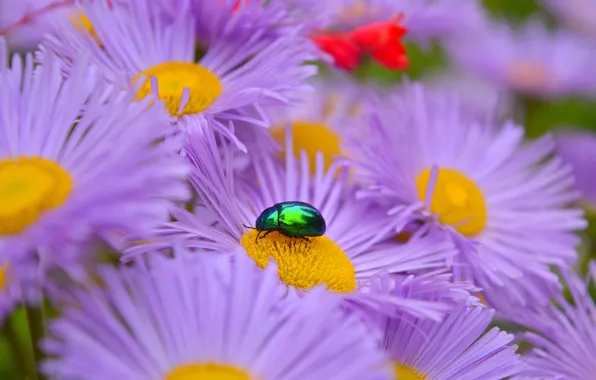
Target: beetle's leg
x=303, y=238
x=267, y=233
x=257, y=238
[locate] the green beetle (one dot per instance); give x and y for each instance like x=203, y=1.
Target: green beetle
x=291, y=219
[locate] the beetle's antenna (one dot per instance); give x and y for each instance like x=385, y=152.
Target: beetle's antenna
x=252, y=228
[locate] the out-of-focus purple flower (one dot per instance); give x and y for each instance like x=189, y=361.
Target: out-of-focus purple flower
x=480, y=100
x=424, y=19
x=77, y=159
x=358, y=242
x=24, y=23
x=503, y=203
x=456, y=348
x=578, y=149
x=198, y=316
x=530, y=60
x=330, y=114
x=579, y=15
x=563, y=335
x=233, y=79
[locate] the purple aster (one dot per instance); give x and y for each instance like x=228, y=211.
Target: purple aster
x=328, y=116
x=358, y=242
x=156, y=44
x=479, y=99
x=25, y=22
x=579, y=15
x=578, y=149
x=424, y=19
x=502, y=201
x=457, y=348
x=204, y=316
x=563, y=335
x=77, y=159
x=530, y=60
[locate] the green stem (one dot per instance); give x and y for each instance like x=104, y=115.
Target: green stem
x=35, y=320
x=24, y=361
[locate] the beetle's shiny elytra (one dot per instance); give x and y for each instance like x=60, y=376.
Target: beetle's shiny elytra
x=292, y=219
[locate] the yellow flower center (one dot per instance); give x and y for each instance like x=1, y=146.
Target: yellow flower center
x=3, y=276
x=208, y=371
x=30, y=186
x=456, y=199
x=404, y=372
x=311, y=137
x=173, y=77
x=529, y=75
x=303, y=264
x=83, y=24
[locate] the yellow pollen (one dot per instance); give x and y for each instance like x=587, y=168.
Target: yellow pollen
x=30, y=186
x=4, y=276
x=311, y=137
x=173, y=77
x=529, y=75
x=456, y=199
x=83, y=24
x=208, y=371
x=405, y=372
x=303, y=264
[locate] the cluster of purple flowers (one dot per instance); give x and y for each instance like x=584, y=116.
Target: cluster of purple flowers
x=140, y=140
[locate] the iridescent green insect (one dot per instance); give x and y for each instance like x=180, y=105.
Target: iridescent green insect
x=292, y=219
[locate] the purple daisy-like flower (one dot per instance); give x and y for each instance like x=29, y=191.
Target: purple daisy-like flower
x=578, y=149
x=23, y=23
x=563, y=335
x=357, y=244
x=502, y=201
x=329, y=115
x=579, y=15
x=204, y=316
x=77, y=159
x=424, y=19
x=456, y=348
x=233, y=79
x=529, y=60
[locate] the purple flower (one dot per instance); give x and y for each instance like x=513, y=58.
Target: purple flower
x=563, y=335
x=578, y=149
x=456, y=348
x=329, y=115
x=529, y=60
x=578, y=15
x=25, y=22
x=358, y=242
x=155, y=44
x=424, y=19
x=205, y=316
x=502, y=201
x=77, y=159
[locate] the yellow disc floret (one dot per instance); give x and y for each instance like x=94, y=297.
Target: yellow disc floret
x=405, y=372
x=208, y=371
x=311, y=137
x=303, y=264
x=173, y=77
x=30, y=186
x=456, y=199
